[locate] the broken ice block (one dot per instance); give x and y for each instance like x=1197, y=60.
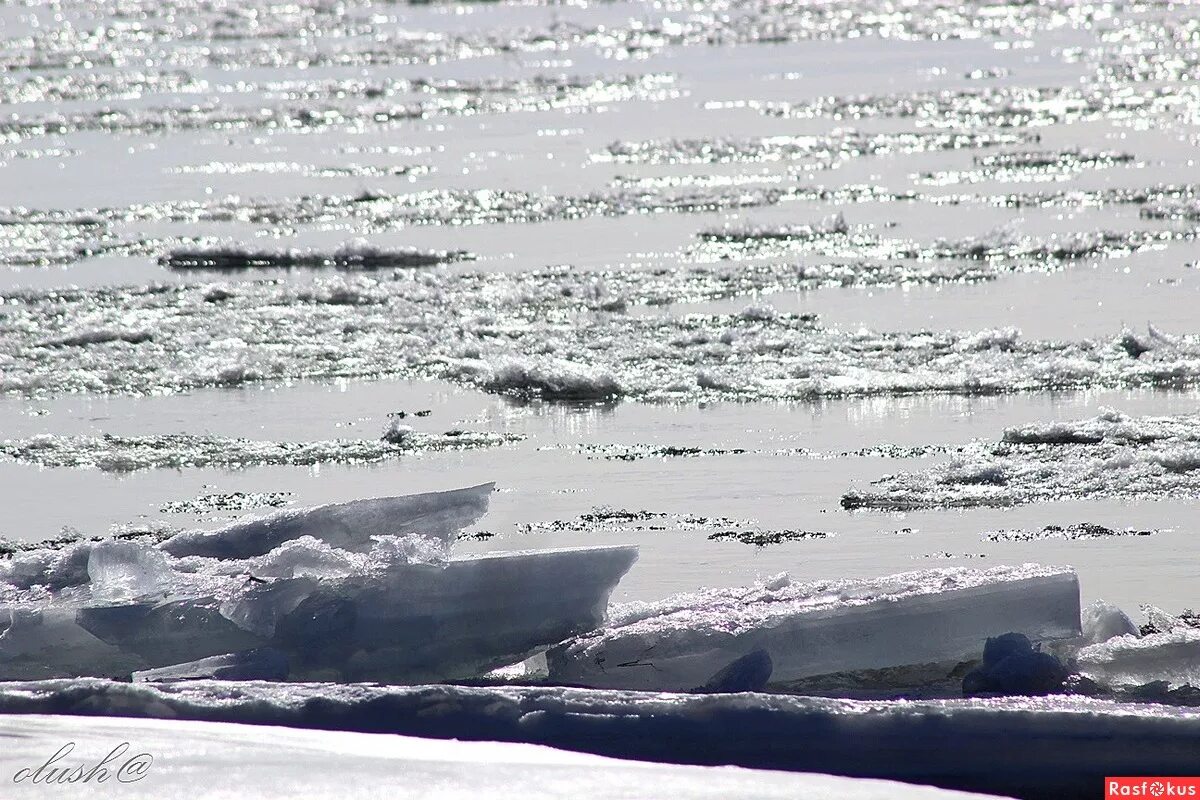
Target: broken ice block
x=821, y=628
x=348, y=526
x=1128, y=661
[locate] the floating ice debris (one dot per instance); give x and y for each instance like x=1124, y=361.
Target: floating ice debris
x=1188, y=209
x=823, y=149
x=909, y=620
x=482, y=329
x=1011, y=666
x=1076, y=530
x=346, y=526
x=84, y=338
x=1129, y=661
x=1026, y=166
x=1111, y=455
x=349, y=107
x=552, y=379
x=175, y=451
x=202, y=760
x=227, y=501
x=605, y=518
x=1064, y=745
x=352, y=257
x=760, y=538
x=833, y=226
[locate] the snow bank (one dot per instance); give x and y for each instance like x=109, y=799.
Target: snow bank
x=1053, y=747
x=821, y=628
x=210, y=760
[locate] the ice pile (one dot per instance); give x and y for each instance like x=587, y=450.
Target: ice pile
x=1111, y=455
x=899, y=624
x=357, y=591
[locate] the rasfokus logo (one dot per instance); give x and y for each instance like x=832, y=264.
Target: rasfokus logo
x=1151, y=787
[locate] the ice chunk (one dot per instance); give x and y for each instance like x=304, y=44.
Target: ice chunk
x=821, y=628
x=553, y=379
x=264, y=663
x=348, y=526
x=1128, y=661
x=1103, y=621
x=121, y=570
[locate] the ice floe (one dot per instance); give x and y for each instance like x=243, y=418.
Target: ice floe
x=350, y=257
x=112, y=453
x=1110, y=455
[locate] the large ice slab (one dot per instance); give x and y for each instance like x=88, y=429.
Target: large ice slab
x=219, y=760
x=1051, y=748
x=348, y=526
x=820, y=628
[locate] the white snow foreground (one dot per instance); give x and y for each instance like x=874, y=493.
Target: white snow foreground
x=199, y=760
x=778, y=633
x=1047, y=747
x=371, y=599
